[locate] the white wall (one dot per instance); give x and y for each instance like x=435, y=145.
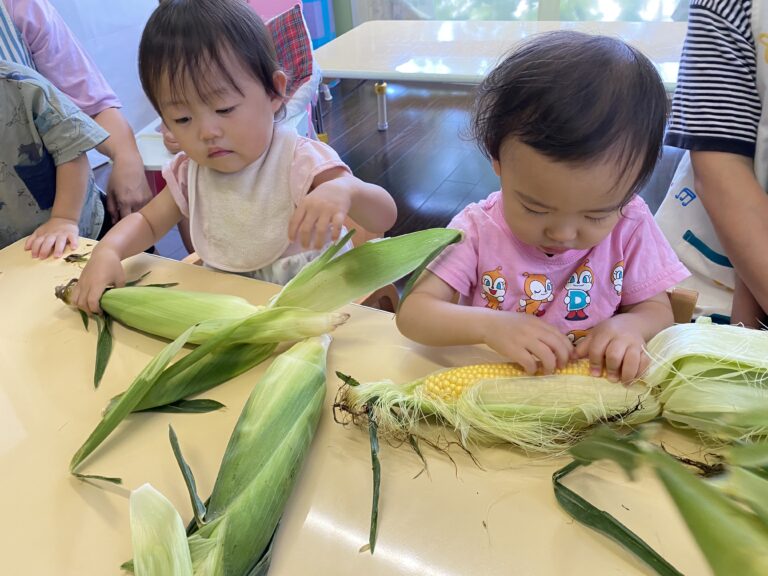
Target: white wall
x=110, y=31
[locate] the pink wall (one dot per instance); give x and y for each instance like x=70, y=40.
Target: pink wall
x=270, y=8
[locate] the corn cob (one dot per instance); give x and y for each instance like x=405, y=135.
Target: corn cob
x=451, y=383
x=499, y=402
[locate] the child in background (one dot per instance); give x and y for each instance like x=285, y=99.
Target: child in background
x=261, y=200
x=47, y=189
x=565, y=253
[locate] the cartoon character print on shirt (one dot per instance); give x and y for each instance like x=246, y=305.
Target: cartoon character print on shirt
x=494, y=288
x=577, y=292
x=538, y=289
x=617, y=276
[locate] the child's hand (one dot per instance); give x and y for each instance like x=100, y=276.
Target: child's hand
x=53, y=237
x=103, y=270
x=616, y=345
x=324, y=208
x=528, y=341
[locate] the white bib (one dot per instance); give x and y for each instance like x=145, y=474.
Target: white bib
x=239, y=222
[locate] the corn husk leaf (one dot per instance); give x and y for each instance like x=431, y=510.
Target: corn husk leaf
x=103, y=348
x=159, y=542
x=198, y=406
x=585, y=513
x=198, y=508
x=262, y=461
x=733, y=540
x=327, y=284
x=130, y=399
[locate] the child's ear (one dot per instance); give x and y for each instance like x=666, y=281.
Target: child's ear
x=280, y=80
x=496, y=167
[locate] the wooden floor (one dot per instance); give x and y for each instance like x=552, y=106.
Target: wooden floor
x=422, y=160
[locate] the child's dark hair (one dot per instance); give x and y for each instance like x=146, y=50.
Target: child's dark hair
x=575, y=98
x=188, y=38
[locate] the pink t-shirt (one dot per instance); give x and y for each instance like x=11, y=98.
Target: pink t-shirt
x=574, y=290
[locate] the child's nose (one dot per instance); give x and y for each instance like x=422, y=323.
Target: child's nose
x=209, y=130
x=561, y=233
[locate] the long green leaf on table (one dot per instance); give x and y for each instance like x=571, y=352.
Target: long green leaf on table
x=585, y=513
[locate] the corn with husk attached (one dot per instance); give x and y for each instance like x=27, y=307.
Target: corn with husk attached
x=234, y=336
x=501, y=403
x=713, y=379
x=260, y=466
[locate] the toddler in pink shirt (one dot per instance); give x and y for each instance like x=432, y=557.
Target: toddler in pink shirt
x=565, y=260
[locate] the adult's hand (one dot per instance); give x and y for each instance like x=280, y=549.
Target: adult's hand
x=127, y=189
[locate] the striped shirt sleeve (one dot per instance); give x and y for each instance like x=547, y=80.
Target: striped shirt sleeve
x=716, y=106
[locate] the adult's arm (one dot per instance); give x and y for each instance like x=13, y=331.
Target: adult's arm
x=738, y=209
x=59, y=57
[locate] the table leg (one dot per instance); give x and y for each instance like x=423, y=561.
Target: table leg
x=325, y=90
x=381, y=101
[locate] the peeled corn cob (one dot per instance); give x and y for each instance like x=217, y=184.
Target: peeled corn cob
x=450, y=384
x=499, y=402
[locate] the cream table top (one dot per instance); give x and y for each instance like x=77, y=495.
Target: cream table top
x=462, y=520
x=464, y=51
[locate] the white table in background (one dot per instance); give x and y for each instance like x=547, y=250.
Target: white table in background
x=464, y=51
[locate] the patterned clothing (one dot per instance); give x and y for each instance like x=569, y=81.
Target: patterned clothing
x=574, y=290
x=716, y=106
x=40, y=129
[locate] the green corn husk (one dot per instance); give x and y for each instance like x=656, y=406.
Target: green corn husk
x=712, y=379
x=535, y=413
x=260, y=466
x=157, y=535
x=734, y=540
x=325, y=283
x=262, y=461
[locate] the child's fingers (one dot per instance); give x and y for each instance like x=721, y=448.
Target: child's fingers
x=545, y=355
x=615, y=355
x=630, y=368
x=295, y=223
x=526, y=361
x=337, y=223
x=596, y=355
x=561, y=348
x=59, y=246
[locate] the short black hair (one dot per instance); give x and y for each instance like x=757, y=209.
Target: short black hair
x=187, y=38
x=575, y=98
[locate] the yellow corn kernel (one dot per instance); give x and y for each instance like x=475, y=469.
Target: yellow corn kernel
x=450, y=384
